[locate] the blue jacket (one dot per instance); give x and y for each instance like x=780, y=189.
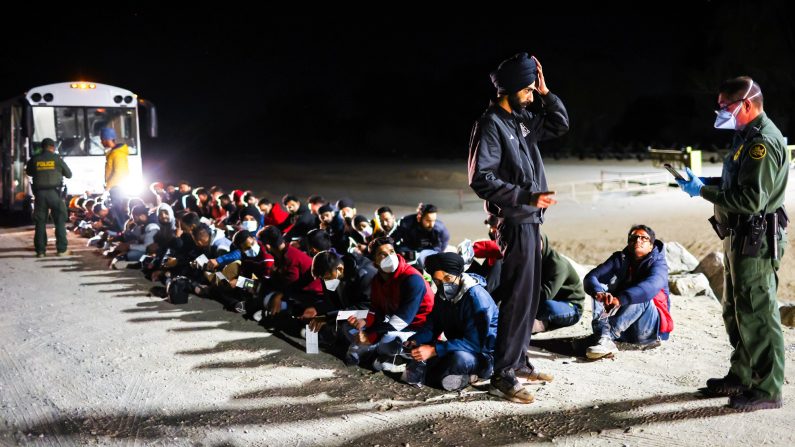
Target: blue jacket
x=650, y=276
x=469, y=321
x=410, y=235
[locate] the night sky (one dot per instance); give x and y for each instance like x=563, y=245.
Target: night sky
x=400, y=86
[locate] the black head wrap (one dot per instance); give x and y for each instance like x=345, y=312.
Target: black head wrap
x=514, y=74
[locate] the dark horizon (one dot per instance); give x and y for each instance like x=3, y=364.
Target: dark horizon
x=286, y=87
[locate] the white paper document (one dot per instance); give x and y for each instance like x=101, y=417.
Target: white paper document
x=344, y=314
x=311, y=341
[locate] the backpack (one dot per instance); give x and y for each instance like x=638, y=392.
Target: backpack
x=178, y=290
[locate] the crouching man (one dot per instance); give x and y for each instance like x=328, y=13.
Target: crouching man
x=630, y=295
x=467, y=315
x=401, y=301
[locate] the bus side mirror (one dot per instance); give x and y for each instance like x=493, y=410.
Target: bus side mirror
x=151, y=115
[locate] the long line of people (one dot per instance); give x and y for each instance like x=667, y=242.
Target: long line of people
x=291, y=265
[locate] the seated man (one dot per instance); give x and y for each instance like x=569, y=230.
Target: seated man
x=562, y=294
x=291, y=281
x=400, y=302
x=630, y=295
x=465, y=312
x=422, y=233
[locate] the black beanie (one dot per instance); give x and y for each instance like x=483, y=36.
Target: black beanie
x=251, y=210
x=514, y=74
x=325, y=209
x=447, y=262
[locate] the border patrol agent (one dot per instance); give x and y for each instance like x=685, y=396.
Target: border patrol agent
x=750, y=218
x=48, y=170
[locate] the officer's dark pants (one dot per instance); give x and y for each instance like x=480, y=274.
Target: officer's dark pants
x=751, y=316
x=49, y=200
x=518, y=293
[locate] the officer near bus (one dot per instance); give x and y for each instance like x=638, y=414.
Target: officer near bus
x=48, y=170
x=751, y=221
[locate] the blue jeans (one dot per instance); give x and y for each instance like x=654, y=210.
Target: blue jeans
x=454, y=363
x=135, y=255
x=558, y=314
x=633, y=323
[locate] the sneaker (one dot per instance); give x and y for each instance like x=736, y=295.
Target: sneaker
x=414, y=374
x=539, y=326
x=605, y=348
x=750, y=401
x=455, y=382
x=509, y=388
x=257, y=316
x=726, y=386
x=119, y=263
x=240, y=307
x=526, y=373
x=64, y=253
x=40, y=255
x=388, y=365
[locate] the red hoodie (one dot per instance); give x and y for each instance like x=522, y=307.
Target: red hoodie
x=401, y=302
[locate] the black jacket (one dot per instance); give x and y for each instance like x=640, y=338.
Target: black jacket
x=505, y=165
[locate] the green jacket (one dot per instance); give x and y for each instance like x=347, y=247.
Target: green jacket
x=559, y=280
x=47, y=170
x=755, y=173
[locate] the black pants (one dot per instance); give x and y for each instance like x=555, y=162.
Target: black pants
x=518, y=293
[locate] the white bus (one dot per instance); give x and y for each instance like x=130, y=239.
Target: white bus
x=72, y=114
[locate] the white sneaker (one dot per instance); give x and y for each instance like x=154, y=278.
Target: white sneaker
x=388, y=366
x=605, y=347
x=119, y=263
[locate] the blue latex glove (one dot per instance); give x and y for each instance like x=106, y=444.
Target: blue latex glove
x=692, y=186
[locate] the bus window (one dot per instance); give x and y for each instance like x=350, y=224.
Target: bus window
x=68, y=126
x=121, y=120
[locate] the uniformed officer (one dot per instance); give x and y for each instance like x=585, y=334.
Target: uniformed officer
x=48, y=170
x=750, y=218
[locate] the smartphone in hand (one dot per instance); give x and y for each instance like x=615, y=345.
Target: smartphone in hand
x=674, y=172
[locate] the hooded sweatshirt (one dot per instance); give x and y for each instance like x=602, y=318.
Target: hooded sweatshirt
x=468, y=321
x=402, y=302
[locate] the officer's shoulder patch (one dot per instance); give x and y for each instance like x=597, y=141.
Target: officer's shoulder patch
x=758, y=151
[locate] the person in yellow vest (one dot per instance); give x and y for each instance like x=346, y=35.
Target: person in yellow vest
x=116, y=169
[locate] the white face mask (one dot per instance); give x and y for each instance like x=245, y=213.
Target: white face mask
x=728, y=120
x=331, y=284
x=367, y=232
x=253, y=251
x=390, y=263
x=250, y=225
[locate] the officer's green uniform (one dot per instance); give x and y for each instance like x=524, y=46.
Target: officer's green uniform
x=48, y=170
x=753, y=182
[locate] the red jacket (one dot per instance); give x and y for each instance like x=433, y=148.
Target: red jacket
x=401, y=302
x=293, y=273
x=487, y=249
x=276, y=216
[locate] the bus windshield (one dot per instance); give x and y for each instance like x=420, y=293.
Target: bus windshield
x=76, y=129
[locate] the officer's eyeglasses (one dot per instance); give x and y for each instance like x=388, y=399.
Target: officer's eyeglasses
x=635, y=237
x=726, y=107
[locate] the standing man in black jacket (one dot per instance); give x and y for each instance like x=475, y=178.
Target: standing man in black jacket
x=506, y=170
